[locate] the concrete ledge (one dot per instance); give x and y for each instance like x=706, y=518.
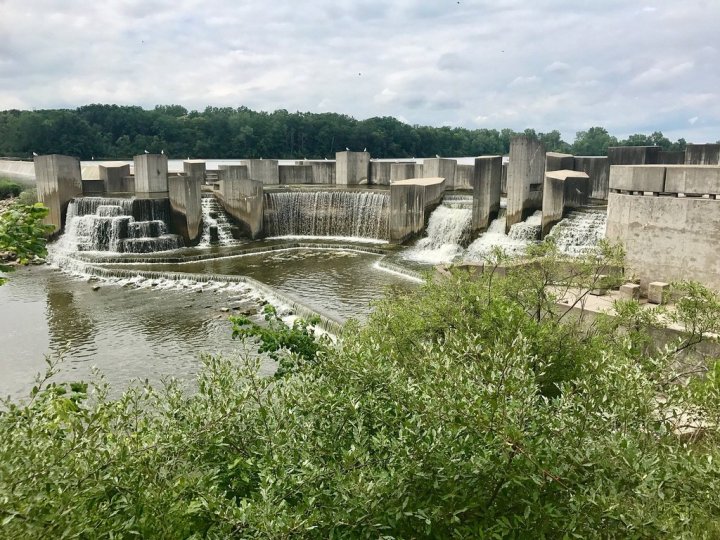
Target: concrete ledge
x=638, y=178
x=692, y=179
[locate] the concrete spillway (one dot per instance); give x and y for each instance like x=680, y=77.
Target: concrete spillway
x=217, y=226
x=355, y=214
x=579, y=231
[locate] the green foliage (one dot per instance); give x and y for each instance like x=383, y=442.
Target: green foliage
x=290, y=346
x=467, y=409
x=8, y=188
x=22, y=234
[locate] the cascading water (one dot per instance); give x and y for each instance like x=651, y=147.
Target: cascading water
x=358, y=214
x=105, y=224
x=579, y=232
x=447, y=231
x=217, y=227
x=520, y=236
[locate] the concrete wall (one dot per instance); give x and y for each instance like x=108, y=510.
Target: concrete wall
x=402, y=171
x=702, y=154
x=296, y=174
x=525, y=178
x=440, y=168
x=503, y=179
x=116, y=178
x=487, y=174
x=669, y=237
x=231, y=173
x=410, y=202
x=667, y=157
x=242, y=198
x=380, y=173
x=598, y=169
x=323, y=172
x=195, y=168
x=464, y=176
x=185, y=206
x=633, y=155
x=264, y=170
x=151, y=171
x=562, y=189
x=58, y=182
x=352, y=168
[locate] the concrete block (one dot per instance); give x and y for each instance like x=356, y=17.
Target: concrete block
x=702, y=154
x=352, y=168
x=562, y=190
x=58, y=182
x=638, y=178
x=184, y=193
x=380, y=173
x=195, y=168
x=667, y=157
x=487, y=174
x=633, y=155
x=525, y=178
x=658, y=292
x=630, y=291
x=116, y=177
x=503, y=179
x=692, y=180
x=92, y=188
x=264, y=170
x=440, y=168
x=555, y=161
x=407, y=211
x=242, y=198
x=598, y=169
x=323, y=172
x=151, y=172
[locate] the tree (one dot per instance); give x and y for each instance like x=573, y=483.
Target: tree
x=593, y=142
x=22, y=235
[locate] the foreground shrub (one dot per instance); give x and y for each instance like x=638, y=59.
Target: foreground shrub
x=468, y=409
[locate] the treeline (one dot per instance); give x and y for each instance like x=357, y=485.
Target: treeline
x=113, y=131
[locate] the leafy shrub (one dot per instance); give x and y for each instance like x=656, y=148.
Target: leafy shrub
x=22, y=234
x=8, y=188
x=468, y=409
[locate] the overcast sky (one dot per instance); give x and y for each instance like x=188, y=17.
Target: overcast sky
x=630, y=66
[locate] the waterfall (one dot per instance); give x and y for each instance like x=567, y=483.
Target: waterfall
x=514, y=243
x=217, y=226
x=447, y=232
x=579, y=231
x=359, y=214
x=117, y=225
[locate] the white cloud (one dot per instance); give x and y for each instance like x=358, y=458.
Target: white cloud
x=692, y=120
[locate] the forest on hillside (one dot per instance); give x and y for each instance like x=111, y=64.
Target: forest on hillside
x=112, y=131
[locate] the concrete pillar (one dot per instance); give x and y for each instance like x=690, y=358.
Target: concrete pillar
x=323, y=172
x=702, y=154
x=525, y=178
x=561, y=190
x=442, y=168
x=117, y=179
x=401, y=171
x=503, y=179
x=464, y=175
x=486, y=191
x=633, y=155
x=264, y=170
x=151, y=172
x=242, y=198
x=353, y=168
x=555, y=161
x=195, y=168
x=380, y=173
x=407, y=211
x=185, y=206
x=58, y=182
x=598, y=169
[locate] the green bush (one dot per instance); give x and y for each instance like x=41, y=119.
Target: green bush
x=8, y=188
x=468, y=409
